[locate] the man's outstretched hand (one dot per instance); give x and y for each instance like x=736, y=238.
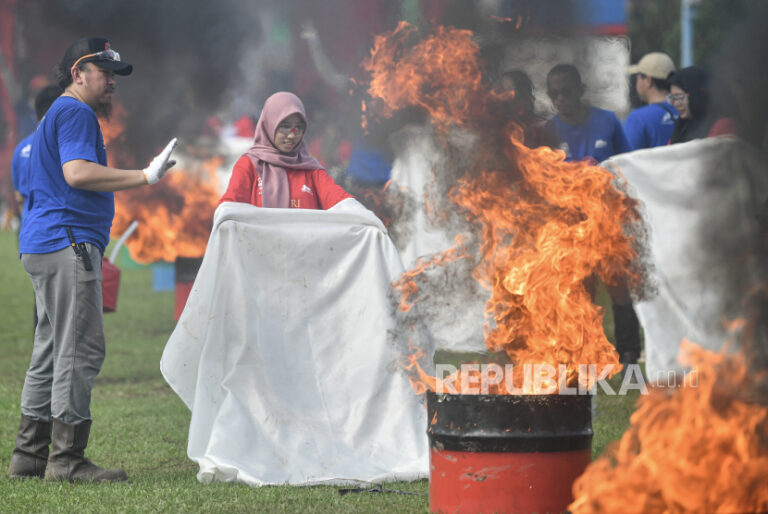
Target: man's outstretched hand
x=160, y=164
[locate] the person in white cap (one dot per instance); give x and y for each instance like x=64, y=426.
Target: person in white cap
x=67, y=219
x=652, y=124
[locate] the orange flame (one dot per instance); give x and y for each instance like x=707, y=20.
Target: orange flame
x=544, y=236
x=548, y=226
x=440, y=73
x=423, y=381
x=175, y=215
x=700, y=448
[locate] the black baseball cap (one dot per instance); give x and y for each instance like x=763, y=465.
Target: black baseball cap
x=98, y=51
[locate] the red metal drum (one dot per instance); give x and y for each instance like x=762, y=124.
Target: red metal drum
x=506, y=453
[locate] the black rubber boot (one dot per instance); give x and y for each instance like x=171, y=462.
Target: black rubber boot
x=30, y=456
x=67, y=459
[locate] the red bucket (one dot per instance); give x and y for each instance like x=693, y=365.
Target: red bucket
x=110, y=283
x=186, y=272
x=110, y=274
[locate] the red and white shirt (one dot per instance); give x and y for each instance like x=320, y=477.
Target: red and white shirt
x=309, y=189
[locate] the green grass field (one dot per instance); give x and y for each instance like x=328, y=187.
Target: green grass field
x=141, y=426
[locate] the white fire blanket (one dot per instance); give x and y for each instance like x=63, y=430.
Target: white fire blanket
x=282, y=353
x=701, y=201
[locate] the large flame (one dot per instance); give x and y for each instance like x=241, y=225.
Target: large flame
x=174, y=215
x=544, y=237
x=700, y=448
x=440, y=73
x=548, y=226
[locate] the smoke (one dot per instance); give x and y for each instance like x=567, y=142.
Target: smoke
x=450, y=302
x=737, y=240
x=740, y=88
x=185, y=54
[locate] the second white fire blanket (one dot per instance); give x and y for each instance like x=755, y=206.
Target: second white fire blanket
x=283, y=355
x=702, y=202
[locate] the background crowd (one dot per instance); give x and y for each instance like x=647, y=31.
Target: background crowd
x=213, y=86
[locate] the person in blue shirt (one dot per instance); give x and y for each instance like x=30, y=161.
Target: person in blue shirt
x=19, y=167
x=21, y=155
x=369, y=163
x=584, y=132
x=652, y=124
x=522, y=108
x=67, y=217
x=593, y=134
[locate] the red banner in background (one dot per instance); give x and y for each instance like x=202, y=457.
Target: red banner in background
x=8, y=88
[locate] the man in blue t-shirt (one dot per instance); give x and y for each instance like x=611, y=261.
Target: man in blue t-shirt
x=23, y=151
x=583, y=131
x=595, y=134
x=67, y=217
x=652, y=124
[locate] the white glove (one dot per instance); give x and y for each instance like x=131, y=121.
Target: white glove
x=160, y=164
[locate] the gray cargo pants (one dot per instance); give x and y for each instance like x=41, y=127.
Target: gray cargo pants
x=69, y=341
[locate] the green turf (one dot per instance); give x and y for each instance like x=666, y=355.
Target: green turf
x=141, y=425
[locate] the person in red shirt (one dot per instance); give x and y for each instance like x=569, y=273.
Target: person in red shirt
x=278, y=171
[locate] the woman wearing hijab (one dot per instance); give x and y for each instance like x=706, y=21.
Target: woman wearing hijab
x=277, y=171
x=689, y=94
x=281, y=389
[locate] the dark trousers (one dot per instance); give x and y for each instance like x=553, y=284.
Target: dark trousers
x=626, y=326
x=626, y=330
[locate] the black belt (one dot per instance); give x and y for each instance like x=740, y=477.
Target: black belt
x=81, y=251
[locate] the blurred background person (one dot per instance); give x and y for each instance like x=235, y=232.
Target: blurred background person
x=20, y=167
x=26, y=119
x=372, y=155
x=21, y=155
x=596, y=134
x=652, y=124
x=584, y=131
x=522, y=109
x=689, y=94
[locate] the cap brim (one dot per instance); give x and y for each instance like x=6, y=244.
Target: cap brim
x=120, y=68
x=633, y=69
